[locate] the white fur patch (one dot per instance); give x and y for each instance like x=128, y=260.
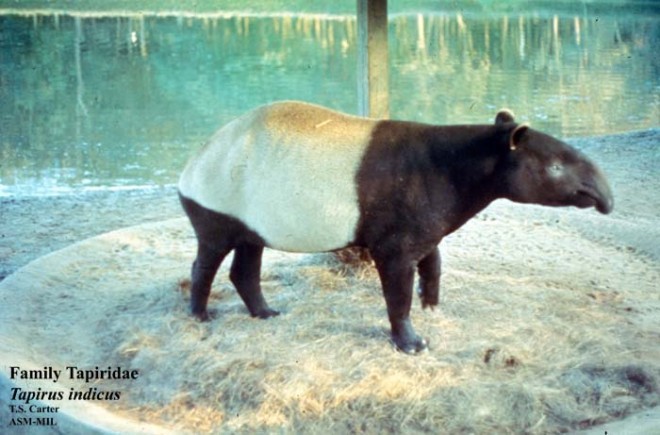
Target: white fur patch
x=287, y=171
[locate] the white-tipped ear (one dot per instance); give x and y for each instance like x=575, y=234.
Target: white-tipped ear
x=504, y=116
x=516, y=135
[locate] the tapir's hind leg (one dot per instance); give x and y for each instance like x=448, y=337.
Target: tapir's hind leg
x=245, y=274
x=203, y=272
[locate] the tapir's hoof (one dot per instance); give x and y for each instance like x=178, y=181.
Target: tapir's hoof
x=265, y=313
x=426, y=304
x=204, y=315
x=428, y=300
x=412, y=347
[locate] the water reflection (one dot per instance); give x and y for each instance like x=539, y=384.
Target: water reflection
x=122, y=100
x=568, y=75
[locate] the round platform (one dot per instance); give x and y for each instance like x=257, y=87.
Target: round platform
x=546, y=322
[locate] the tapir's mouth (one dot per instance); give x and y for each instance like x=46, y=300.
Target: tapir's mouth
x=590, y=196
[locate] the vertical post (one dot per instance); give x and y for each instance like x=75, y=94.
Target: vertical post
x=372, y=83
x=373, y=66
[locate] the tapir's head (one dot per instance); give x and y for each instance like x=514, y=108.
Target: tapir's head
x=543, y=170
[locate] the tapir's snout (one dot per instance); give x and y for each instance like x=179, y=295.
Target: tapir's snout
x=605, y=202
x=595, y=191
x=606, y=205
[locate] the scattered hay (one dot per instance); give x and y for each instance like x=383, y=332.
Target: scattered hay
x=524, y=341
x=354, y=257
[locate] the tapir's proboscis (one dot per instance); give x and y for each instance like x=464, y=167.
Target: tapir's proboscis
x=298, y=177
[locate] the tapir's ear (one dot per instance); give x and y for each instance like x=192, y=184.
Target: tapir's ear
x=517, y=135
x=504, y=116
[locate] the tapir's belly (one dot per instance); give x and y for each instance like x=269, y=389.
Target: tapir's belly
x=294, y=186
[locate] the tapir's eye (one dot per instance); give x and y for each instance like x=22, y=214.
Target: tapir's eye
x=556, y=169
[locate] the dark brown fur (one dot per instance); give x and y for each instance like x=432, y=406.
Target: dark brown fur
x=217, y=235
x=417, y=184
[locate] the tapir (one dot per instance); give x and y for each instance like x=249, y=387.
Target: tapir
x=299, y=177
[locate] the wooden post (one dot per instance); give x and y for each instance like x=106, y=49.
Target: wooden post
x=373, y=66
x=373, y=84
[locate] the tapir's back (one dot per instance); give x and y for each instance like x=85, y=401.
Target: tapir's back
x=287, y=171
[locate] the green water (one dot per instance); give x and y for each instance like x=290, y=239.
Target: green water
x=107, y=99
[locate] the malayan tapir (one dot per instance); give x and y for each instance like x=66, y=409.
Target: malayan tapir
x=299, y=177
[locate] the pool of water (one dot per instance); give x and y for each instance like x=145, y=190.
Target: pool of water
x=121, y=99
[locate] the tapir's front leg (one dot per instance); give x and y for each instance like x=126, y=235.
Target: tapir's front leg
x=397, y=278
x=429, y=278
